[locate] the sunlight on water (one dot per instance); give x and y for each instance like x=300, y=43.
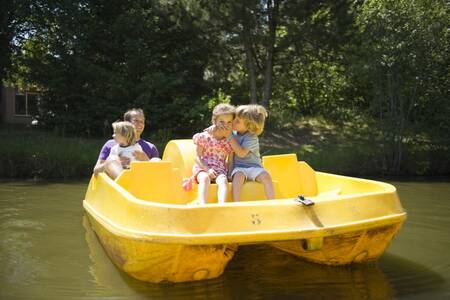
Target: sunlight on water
x=48, y=251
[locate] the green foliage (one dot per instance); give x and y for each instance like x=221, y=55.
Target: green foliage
x=382, y=61
x=220, y=97
x=6, y=34
x=37, y=154
x=402, y=65
x=109, y=57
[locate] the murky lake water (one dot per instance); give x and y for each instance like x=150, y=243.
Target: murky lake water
x=48, y=251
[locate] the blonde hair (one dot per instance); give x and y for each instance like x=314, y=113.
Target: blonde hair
x=253, y=116
x=125, y=129
x=222, y=109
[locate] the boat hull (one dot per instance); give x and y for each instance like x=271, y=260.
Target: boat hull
x=353, y=247
x=155, y=231
x=156, y=262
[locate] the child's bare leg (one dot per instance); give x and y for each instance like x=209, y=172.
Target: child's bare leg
x=113, y=168
x=222, y=188
x=238, y=181
x=203, y=187
x=266, y=180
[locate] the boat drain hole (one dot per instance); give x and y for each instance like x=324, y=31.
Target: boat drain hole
x=312, y=244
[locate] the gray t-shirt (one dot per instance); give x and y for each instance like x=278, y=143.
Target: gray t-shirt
x=252, y=159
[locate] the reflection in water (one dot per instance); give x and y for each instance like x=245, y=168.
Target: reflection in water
x=261, y=271
x=410, y=278
x=49, y=251
x=272, y=273
x=41, y=253
x=17, y=262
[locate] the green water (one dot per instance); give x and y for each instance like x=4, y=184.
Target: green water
x=48, y=251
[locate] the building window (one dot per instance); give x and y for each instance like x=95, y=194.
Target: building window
x=27, y=104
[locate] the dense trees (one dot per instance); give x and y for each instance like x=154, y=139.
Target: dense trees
x=383, y=60
x=94, y=59
x=402, y=59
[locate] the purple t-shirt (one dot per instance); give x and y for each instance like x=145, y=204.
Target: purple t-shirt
x=147, y=147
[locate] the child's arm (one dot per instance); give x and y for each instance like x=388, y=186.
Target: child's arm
x=212, y=174
x=238, y=149
x=219, y=131
x=99, y=166
x=198, y=159
x=200, y=149
x=139, y=153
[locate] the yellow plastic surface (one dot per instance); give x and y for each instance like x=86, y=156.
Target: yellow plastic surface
x=144, y=181
x=154, y=231
x=182, y=154
x=294, y=178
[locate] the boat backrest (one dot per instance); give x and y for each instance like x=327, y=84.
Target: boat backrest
x=154, y=181
x=182, y=154
x=294, y=178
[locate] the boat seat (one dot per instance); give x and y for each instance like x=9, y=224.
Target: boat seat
x=154, y=181
x=182, y=154
x=294, y=177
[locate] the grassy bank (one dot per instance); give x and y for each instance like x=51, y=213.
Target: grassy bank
x=356, y=148
x=28, y=153
x=350, y=149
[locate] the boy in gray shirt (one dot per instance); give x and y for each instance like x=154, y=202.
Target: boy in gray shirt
x=248, y=124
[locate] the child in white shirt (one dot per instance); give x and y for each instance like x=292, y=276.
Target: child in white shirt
x=125, y=137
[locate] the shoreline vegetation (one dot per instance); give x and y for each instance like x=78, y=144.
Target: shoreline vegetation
x=346, y=149
x=357, y=88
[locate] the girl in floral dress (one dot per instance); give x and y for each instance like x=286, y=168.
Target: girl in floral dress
x=213, y=155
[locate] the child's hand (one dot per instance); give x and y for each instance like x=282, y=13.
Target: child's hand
x=219, y=130
x=212, y=174
x=228, y=131
x=124, y=161
x=224, y=131
x=140, y=155
x=215, y=131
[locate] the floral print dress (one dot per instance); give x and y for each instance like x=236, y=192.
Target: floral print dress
x=215, y=153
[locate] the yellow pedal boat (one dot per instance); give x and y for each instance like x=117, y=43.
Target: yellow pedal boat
x=153, y=230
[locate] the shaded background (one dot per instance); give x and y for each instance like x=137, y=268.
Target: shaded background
x=378, y=67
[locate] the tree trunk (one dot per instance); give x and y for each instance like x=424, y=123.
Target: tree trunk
x=249, y=59
x=272, y=12
x=6, y=35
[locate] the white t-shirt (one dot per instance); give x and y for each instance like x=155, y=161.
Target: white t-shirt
x=128, y=151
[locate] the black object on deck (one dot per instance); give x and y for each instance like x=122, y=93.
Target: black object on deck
x=304, y=201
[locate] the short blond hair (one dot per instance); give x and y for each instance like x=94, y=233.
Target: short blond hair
x=222, y=109
x=254, y=116
x=127, y=130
